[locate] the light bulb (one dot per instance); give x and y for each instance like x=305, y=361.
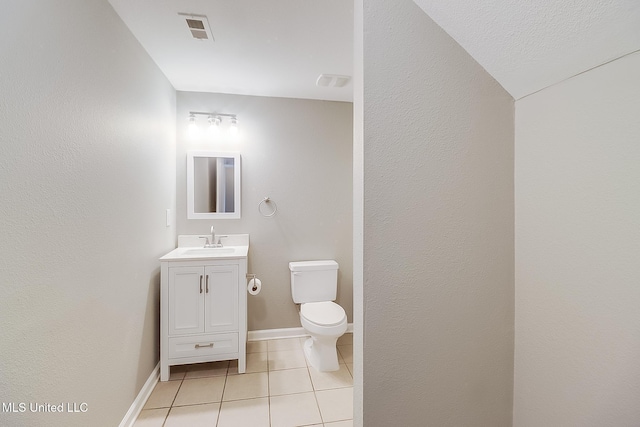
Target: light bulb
x=214, y=126
x=234, y=126
x=192, y=128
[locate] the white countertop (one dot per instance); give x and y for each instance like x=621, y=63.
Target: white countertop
x=190, y=247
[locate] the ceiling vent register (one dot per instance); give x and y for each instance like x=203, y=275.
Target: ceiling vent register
x=332, y=80
x=198, y=26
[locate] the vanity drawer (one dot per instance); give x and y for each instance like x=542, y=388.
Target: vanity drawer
x=203, y=345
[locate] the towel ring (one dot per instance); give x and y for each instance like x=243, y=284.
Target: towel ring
x=265, y=201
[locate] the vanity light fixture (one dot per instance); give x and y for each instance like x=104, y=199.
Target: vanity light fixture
x=215, y=121
x=192, y=129
x=192, y=120
x=234, y=126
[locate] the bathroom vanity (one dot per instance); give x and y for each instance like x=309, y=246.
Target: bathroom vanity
x=203, y=303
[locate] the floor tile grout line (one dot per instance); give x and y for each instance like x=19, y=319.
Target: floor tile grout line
x=222, y=396
x=313, y=384
x=296, y=393
x=268, y=391
x=315, y=396
x=268, y=388
x=195, y=404
x=174, y=399
x=176, y=395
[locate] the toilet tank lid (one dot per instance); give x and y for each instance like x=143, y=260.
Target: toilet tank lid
x=313, y=265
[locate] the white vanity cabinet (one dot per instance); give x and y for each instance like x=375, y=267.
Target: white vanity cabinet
x=203, y=315
x=202, y=299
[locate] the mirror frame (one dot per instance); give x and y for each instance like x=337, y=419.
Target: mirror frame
x=191, y=214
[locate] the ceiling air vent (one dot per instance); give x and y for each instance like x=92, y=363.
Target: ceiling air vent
x=332, y=80
x=198, y=26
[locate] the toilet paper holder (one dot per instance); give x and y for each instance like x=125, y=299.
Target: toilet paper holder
x=252, y=276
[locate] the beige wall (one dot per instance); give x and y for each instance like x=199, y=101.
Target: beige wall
x=299, y=153
x=438, y=228
x=578, y=251
x=87, y=169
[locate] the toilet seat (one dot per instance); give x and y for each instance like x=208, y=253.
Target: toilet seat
x=325, y=313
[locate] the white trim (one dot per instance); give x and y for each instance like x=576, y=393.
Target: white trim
x=134, y=410
x=272, y=334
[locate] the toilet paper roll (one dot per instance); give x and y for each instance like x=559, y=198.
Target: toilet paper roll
x=254, y=286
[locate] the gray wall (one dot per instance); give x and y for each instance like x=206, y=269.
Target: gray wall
x=358, y=210
x=577, y=251
x=299, y=153
x=87, y=169
x=438, y=228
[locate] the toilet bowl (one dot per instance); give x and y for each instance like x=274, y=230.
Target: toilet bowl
x=325, y=321
x=314, y=287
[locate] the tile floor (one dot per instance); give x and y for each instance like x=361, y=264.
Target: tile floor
x=279, y=389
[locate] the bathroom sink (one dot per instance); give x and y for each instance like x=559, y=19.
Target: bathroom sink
x=208, y=251
x=235, y=246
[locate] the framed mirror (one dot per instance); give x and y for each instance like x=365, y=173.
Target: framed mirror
x=213, y=185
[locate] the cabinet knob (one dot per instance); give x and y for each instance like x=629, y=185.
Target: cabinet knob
x=201, y=283
x=207, y=283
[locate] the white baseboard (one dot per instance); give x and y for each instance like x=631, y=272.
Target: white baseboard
x=273, y=334
x=134, y=410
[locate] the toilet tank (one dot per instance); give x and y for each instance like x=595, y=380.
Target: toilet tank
x=314, y=281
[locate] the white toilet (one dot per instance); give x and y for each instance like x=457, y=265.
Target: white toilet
x=314, y=285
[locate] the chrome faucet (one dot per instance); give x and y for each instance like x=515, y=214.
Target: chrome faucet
x=207, y=243
x=211, y=242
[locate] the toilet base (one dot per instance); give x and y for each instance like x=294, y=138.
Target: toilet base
x=322, y=353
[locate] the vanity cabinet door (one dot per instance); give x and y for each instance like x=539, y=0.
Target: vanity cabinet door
x=186, y=302
x=221, y=294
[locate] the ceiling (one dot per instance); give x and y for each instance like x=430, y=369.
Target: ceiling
x=280, y=47
x=529, y=45
x=265, y=48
